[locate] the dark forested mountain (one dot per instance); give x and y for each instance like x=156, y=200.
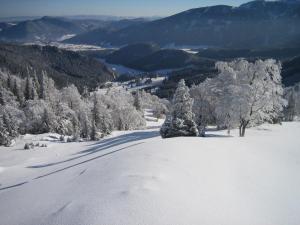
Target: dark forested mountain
x=62, y=66
x=255, y=24
x=128, y=54
x=150, y=57
x=228, y=54
x=291, y=71
x=169, y=59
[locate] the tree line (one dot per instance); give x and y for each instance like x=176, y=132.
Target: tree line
x=34, y=105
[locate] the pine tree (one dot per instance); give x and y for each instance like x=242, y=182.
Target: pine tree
x=181, y=122
x=4, y=134
x=2, y=101
x=85, y=126
x=291, y=108
x=43, y=86
x=36, y=84
x=85, y=92
x=9, y=81
x=93, y=131
x=28, y=91
x=46, y=121
x=16, y=91
x=9, y=130
x=76, y=128
x=137, y=101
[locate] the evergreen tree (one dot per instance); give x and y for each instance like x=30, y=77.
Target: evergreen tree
x=36, y=84
x=85, y=126
x=93, y=131
x=290, y=110
x=16, y=91
x=28, y=87
x=43, y=86
x=181, y=122
x=85, y=92
x=8, y=82
x=4, y=134
x=46, y=121
x=2, y=101
x=76, y=128
x=137, y=101
x=9, y=127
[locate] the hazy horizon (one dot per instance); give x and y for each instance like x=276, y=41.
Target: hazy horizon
x=122, y=8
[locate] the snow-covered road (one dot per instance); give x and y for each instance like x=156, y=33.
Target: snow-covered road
x=137, y=178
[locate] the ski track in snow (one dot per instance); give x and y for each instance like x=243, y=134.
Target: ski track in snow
x=135, y=177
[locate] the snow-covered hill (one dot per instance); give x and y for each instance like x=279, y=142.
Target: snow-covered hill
x=136, y=177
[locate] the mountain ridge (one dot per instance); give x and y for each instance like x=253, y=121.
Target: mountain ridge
x=257, y=24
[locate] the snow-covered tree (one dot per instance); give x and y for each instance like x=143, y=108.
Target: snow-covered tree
x=181, y=121
x=124, y=115
x=249, y=93
x=101, y=116
x=17, y=91
x=204, y=105
x=8, y=127
x=137, y=101
x=30, y=89
x=5, y=138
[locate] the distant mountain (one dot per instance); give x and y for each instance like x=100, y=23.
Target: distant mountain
x=255, y=24
x=44, y=29
x=48, y=29
x=4, y=25
x=105, y=31
x=63, y=66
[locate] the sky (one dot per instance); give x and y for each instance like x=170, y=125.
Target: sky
x=134, y=8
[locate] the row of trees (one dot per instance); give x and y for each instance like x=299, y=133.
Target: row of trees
x=243, y=94
x=34, y=105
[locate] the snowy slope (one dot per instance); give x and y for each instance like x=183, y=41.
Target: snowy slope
x=138, y=178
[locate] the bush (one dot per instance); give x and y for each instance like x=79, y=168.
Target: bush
x=26, y=146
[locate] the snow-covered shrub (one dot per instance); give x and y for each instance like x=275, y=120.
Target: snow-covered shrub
x=28, y=146
x=181, y=121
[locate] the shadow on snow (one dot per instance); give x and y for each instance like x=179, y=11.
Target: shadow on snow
x=95, y=148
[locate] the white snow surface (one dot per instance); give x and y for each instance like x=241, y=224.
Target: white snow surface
x=137, y=178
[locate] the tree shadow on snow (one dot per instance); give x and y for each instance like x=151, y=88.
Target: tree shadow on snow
x=13, y=186
x=97, y=147
x=104, y=145
x=217, y=136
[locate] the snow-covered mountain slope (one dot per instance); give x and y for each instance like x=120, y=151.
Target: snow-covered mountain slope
x=136, y=177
